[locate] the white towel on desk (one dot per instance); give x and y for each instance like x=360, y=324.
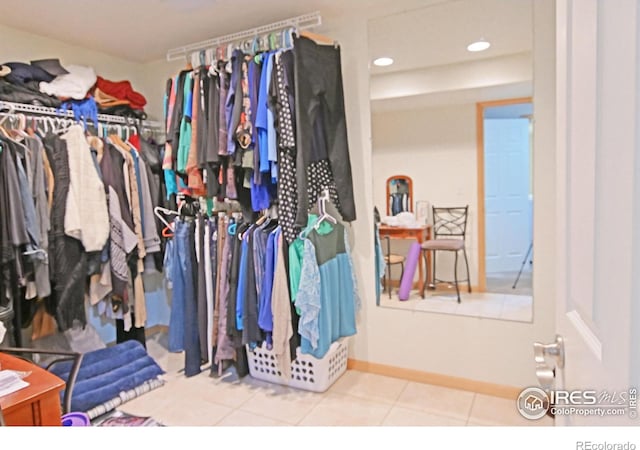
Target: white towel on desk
x=403, y=219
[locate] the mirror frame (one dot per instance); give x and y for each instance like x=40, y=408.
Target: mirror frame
x=409, y=183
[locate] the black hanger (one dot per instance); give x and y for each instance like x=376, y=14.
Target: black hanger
x=271, y=225
x=190, y=207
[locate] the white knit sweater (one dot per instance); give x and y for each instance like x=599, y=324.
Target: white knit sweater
x=86, y=217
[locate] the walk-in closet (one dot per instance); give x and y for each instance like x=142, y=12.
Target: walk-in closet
x=413, y=214
x=217, y=232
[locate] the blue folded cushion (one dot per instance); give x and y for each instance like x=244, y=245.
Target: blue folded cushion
x=107, y=372
x=22, y=73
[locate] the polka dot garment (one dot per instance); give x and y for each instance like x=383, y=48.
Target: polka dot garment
x=287, y=199
x=287, y=185
x=319, y=178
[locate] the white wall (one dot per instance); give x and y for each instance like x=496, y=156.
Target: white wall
x=20, y=46
x=155, y=75
x=149, y=79
x=498, y=71
x=436, y=147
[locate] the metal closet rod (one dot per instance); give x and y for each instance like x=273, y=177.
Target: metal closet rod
x=303, y=22
x=53, y=112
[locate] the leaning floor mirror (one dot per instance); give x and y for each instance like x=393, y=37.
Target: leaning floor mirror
x=452, y=133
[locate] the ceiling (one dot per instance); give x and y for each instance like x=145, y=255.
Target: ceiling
x=432, y=66
x=439, y=34
x=418, y=34
x=425, y=32
x=143, y=30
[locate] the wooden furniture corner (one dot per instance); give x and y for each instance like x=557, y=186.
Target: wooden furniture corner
x=37, y=404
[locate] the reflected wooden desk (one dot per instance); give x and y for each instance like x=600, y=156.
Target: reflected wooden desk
x=420, y=234
x=36, y=404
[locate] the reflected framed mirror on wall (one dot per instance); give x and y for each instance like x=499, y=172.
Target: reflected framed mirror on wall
x=424, y=104
x=399, y=195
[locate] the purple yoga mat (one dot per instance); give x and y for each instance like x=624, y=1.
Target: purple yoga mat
x=409, y=271
x=76, y=419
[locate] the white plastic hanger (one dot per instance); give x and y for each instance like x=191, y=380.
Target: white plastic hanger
x=35, y=252
x=159, y=209
x=8, y=113
x=324, y=215
x=21, y=125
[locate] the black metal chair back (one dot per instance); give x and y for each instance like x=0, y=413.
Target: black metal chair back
x=450, y=222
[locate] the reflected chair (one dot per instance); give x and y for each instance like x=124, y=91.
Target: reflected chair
x=449, y=230
x=391, y=259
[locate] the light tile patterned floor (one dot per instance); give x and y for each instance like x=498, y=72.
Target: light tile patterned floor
x=356, y=399
x=486, y=305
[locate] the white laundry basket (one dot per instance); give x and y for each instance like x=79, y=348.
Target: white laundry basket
x=307, y=372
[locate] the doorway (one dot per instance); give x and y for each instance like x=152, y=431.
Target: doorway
x=505, y=196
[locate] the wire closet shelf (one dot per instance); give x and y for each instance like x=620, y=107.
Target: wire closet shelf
x=303, y=22
x=12, y=108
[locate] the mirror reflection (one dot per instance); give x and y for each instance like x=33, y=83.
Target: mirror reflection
x=452, y=141
x=399, y=195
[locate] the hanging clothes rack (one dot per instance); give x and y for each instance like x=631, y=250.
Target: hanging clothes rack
x=299, y=23
x=14, y=108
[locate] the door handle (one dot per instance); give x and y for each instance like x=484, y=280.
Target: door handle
x=554, y=351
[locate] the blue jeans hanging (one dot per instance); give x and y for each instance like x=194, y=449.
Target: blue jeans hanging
x=183, y=324
x=174, y=269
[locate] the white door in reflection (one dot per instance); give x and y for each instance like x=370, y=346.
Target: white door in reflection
x=508, y=205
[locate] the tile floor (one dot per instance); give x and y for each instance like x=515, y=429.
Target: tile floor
x=487, y=305
x=502, y=282
x=355, y=399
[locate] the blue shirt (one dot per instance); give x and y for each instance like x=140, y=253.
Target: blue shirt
x=272, y=144
x=253, y=96
x=259, y=195
x=262, y=117
x=327, y=297
x=265, y=313
x=170, y=181
x=188, y=95
x=184, y=141
x=255, y=71
x=231, y=99
x=136, y=166
x=242, y=279
x=259, y=250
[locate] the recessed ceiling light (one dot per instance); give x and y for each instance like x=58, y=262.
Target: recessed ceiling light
x=384, y=61
x=478, y=46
